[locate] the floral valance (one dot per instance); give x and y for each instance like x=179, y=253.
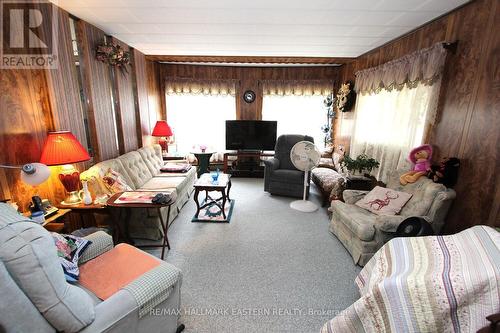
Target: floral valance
x=198, y=87
x=424, y=66
x=297, y=87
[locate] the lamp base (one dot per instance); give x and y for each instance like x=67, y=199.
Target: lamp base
x=305, y=206
x=73, y=198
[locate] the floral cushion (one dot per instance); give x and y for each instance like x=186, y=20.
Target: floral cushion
x=69, y=250
x=384, y=201
x=114, y=182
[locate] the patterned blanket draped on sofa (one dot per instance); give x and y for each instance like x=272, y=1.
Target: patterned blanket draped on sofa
x=427, y=284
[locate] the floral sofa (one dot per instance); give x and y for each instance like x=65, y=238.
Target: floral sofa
x=363, y=233
x=141, y=171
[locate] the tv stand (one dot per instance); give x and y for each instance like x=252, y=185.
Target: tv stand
x=249, y=166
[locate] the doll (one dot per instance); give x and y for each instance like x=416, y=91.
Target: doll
x=421, y=158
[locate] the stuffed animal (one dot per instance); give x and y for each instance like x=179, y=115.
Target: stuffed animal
x=421, y=159
x=446, y=172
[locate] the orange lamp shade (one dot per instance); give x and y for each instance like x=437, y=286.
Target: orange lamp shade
x=162, y=129
x=63, y=148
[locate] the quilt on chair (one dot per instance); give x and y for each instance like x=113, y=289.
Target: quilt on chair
x=427, y=284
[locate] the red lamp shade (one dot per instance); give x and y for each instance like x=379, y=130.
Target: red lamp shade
x=63, y=148
x=162, y=129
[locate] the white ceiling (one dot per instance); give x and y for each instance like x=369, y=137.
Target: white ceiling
x=313, y=28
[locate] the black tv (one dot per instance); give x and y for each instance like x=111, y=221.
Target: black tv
x=250, y=134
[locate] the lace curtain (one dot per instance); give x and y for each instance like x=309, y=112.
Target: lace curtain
x=175, y=86
x=396, y=105
x=297, y=87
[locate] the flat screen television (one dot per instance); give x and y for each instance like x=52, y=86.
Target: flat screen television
x=250, y=134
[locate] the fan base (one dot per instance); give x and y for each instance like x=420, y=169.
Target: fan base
x=305, y=206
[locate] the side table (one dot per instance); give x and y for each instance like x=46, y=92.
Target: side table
x=126, y=208
x=85, y=212
x=54, y=222
x=203, y=161
x=204, y=183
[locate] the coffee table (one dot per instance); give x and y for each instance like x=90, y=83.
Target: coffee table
x=126, y=208
x=205, y=183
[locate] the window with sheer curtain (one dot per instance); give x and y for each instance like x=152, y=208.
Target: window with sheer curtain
x=396, y=104
x=198, y=119
x=297, y=115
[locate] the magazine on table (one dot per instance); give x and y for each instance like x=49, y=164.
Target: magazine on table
x=138, y=197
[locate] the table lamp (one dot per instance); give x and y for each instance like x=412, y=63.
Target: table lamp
x=62, y=148
x=162, y=130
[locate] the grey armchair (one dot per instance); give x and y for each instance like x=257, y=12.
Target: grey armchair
x=37, y=298
x=280, y=175
x=363, y=233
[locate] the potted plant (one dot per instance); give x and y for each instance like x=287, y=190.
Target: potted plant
x=360, y=164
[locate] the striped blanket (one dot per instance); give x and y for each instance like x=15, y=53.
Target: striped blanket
x=427, y=284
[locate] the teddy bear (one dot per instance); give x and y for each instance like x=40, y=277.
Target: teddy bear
x=421, y=159
x=446, y=172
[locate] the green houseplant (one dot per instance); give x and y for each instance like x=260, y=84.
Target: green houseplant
x=360, y=164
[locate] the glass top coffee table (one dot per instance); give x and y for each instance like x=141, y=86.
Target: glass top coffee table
x=207, y=184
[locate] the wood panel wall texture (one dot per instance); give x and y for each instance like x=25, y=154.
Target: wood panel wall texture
x=469, y=121
x=248, y=79
x=33, y=102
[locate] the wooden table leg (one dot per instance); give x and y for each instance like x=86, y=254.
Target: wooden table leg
x=196, y=192
x=165, y=230
x=228, y=189
x=223, y=191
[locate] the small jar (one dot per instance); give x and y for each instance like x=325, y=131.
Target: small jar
x=38, y=217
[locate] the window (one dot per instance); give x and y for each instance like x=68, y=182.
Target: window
x=389, y=123
x=297, y=115
x=198, y=119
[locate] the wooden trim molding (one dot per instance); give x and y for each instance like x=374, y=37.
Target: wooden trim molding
x=250, y=60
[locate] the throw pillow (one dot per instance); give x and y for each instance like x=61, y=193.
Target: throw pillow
x=114, y=182
x=69, y=250
x=384, y=201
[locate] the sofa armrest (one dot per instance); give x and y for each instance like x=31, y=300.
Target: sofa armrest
x=272, y=163
x=101, y=243
x=353, y=196
x=154, y=286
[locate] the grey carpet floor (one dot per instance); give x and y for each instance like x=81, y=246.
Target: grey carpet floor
x=272, y=269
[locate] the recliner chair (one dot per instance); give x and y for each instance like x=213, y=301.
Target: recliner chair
x=280, y=175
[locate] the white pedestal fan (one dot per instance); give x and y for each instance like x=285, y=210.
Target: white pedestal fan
x=305, y=156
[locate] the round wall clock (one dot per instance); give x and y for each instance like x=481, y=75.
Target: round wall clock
x=249, y=96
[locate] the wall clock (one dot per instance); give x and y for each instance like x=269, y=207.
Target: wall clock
x=249, y=96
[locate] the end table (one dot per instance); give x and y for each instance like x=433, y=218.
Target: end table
x=203, y=161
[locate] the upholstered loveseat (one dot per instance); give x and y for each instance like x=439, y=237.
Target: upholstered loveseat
x=35, y=296
x=141, y=171
x=363, y=233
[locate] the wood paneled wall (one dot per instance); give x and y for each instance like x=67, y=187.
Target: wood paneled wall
x=248, y=79
x=126, y=117
x=468, y=124
x=98, y=90
x=33, y=102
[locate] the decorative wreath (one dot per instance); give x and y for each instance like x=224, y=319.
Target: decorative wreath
x=114, y=55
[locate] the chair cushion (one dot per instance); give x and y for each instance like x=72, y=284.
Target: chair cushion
x=325, y=178
x=360, y=221
x=163, y=183
x=384, y=201
x=290, y=176
x=29, y=254
x=153, y=160
x=94, y=176
x=136, y=168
